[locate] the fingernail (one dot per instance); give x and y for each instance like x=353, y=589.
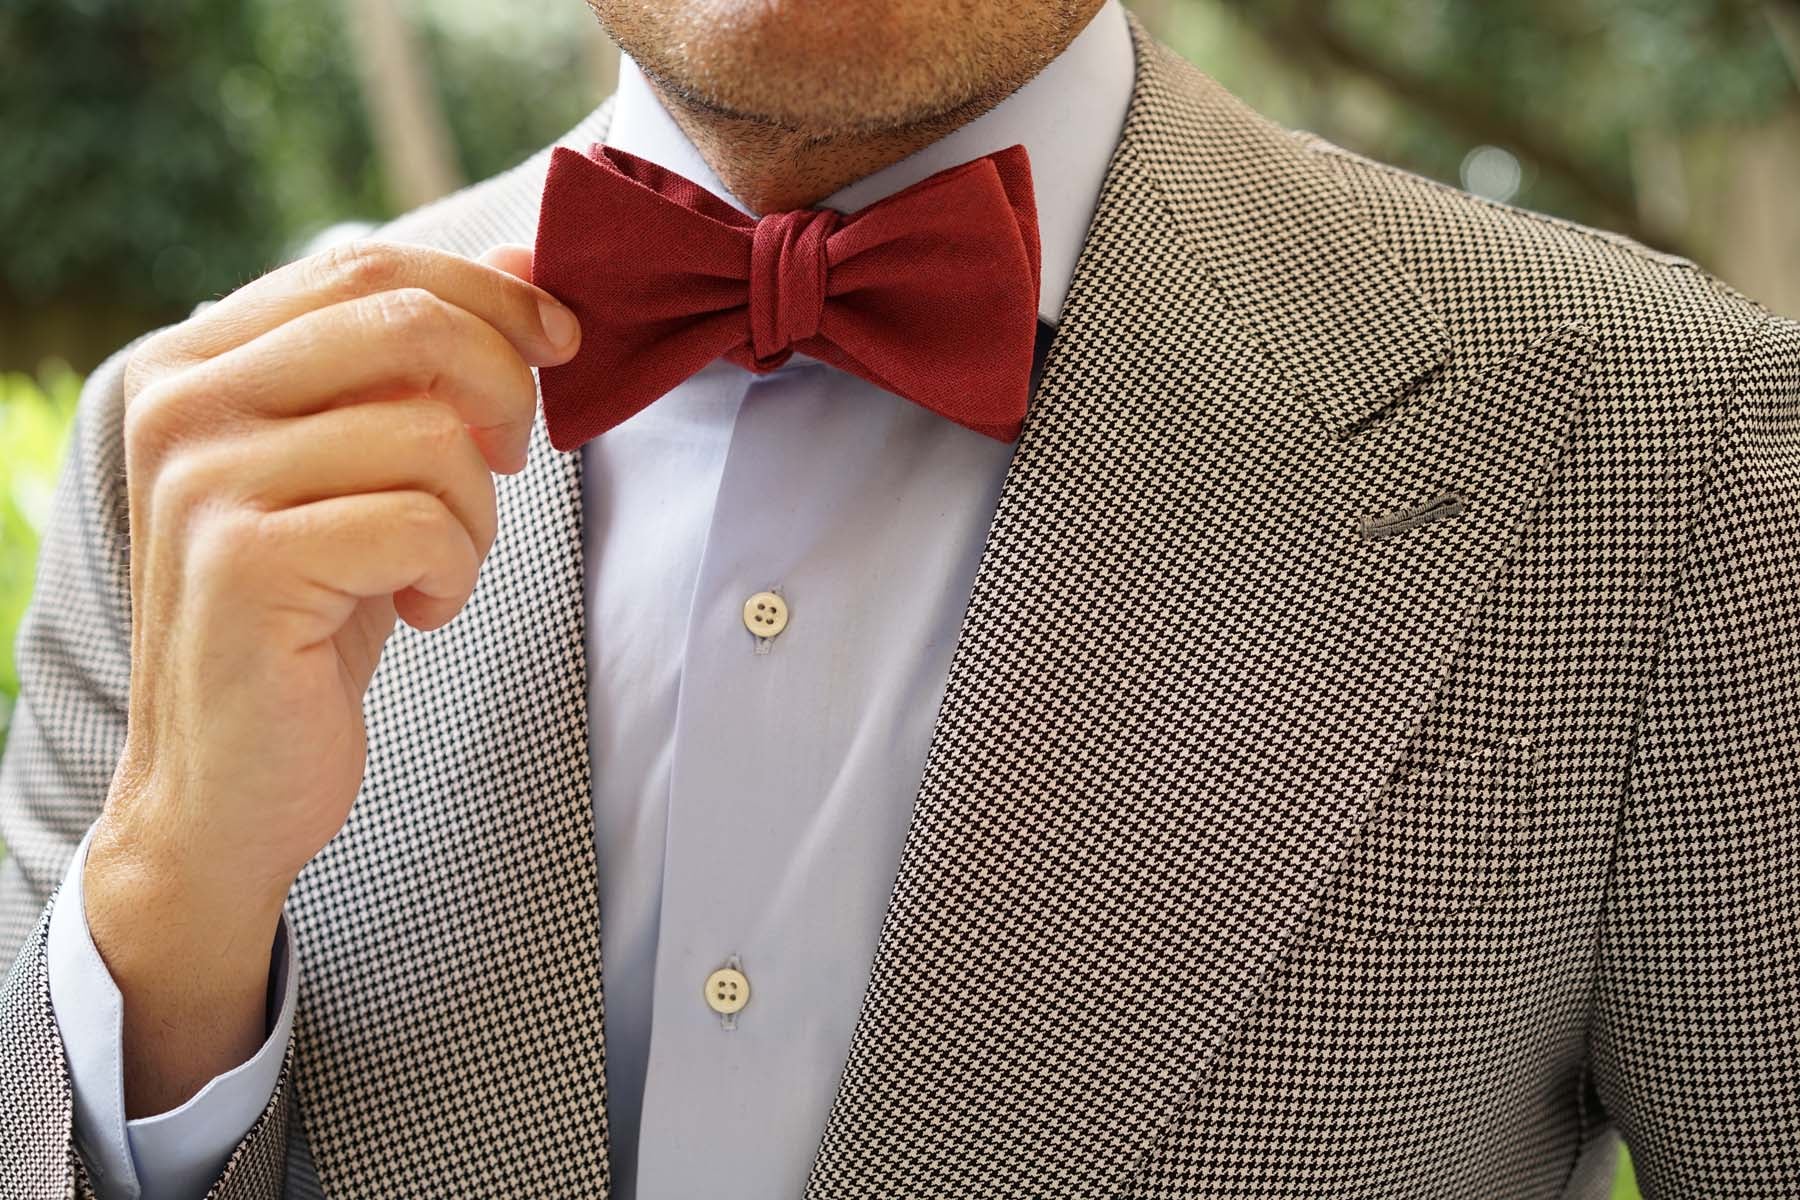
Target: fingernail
x=560, y=325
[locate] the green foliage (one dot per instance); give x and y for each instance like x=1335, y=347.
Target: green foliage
x=1573, y=88
x=157, y=151
x=1625, y=1182
x=34, y=424
x=160, y=152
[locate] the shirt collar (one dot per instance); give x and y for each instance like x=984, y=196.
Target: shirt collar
x=1068, y=116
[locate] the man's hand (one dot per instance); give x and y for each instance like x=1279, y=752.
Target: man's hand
x=307, y=459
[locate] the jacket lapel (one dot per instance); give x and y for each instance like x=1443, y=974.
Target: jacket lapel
x=1185, y=670
x=449, y=1025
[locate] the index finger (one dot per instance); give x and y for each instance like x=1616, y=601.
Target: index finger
x=540, y=328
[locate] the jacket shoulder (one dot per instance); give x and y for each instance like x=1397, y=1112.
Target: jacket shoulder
x=1501, y=275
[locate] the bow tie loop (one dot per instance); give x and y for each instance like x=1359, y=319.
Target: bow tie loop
x=788, y=272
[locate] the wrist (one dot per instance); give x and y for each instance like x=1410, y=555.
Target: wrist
x=190, y=959
x=162, y=919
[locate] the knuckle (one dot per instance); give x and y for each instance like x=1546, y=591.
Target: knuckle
x=439, y=430
x=184, y=482
x=361, y=267
x=411, y=313
x=152, y=418
x=231, y=545
x=423, y=516
x=428, y=529
x=525, y=392
x=487, y=522
x=517, y=299
x=145, y=363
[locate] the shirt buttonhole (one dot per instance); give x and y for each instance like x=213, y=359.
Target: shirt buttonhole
x=728, y=1021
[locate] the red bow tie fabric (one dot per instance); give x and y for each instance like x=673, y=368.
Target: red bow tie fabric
x=930, y=293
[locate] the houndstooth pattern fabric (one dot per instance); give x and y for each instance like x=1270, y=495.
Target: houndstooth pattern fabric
x=1370, y=765
x=37, y=1162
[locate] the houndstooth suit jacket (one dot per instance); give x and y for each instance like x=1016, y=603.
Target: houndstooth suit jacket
x=1368, y=767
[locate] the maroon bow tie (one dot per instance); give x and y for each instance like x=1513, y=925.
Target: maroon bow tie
x=930, y=293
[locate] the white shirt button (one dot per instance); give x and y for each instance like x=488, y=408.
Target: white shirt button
x=727, y=990
x=765, y=614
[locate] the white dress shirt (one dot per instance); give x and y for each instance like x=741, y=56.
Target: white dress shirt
x=751, y=793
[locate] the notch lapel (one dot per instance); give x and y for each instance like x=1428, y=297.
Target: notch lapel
x=1185, y=672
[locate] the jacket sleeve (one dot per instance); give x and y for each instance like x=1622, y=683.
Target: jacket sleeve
x=1695, y=1035
x=63, y=743
x=172, y=1155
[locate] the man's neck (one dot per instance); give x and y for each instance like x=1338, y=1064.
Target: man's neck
x=1067, y=116
x=772, y=169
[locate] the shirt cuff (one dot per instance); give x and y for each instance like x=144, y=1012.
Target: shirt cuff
x=172, y=1154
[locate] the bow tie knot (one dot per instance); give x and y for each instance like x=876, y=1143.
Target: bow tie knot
x=788, y=268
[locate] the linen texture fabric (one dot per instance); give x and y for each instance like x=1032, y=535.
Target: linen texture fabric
x=1368, y=767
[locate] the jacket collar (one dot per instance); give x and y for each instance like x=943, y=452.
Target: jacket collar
x=1283, y=241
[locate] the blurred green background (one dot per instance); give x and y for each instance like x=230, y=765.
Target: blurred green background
x=158, y=153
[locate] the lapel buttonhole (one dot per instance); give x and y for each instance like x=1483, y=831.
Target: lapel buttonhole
x=1446, y=504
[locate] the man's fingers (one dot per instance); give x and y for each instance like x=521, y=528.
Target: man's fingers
x=542, y=331
x=380, y=346
x=333, y=553
x=415, y=444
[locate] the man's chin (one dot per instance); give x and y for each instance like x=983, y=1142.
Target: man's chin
x=821, y=99
x=820, y=68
